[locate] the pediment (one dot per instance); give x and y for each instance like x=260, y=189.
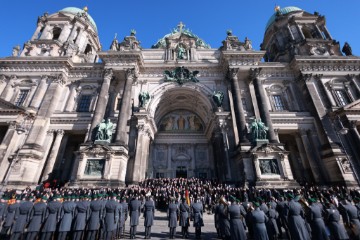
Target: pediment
x=354, y=106
x=8, y=106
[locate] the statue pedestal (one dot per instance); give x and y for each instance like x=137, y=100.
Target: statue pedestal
x=101, y=142
x=260, y=142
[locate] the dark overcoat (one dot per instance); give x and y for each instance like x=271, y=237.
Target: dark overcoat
x=37, y=217
x=82, y=215
x=224, y=222
x=134, y=210
x=271, y=224
x=318, y=229
x=172, y=215
x=67, y=216
x=10, y=213
x=111, y=215
x=259, y=228
x=296, y=222
x=124, y=215
x=337, y=230
x=53, y=211
x=236, y=225
x=351, y=217
x=22, y=216
x=184, y=215
x=96, y=209
x=3, y=207
x=197, y=211
x=149, y=210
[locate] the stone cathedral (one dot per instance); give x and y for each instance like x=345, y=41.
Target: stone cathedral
x=281, y=116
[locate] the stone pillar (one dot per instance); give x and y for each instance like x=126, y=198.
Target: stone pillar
x=8, y=91
x=37, y=31
x=79, y=36
x=239, y=107
x=101, y=102
x=353, y=81
x=49, y=139
x=124, y=113
x=40, y=92
x=142, y=154
x=6, y=141
x=300, y=32
x=305, y=164
x=257, y=167
x=329, y=94
x=64, y=33
x=45, y=34
x=53, y=155
x=264, y=110
x=355, y=132
x=169, y=167
x=311, y=156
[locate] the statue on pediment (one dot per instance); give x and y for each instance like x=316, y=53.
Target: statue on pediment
x=180, y=75
x=258, y=130
x=143, y=98
x=181, y=52
x=218, y=98
x=104, y=131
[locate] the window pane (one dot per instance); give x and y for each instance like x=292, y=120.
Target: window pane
x=342, y=97
x=84, y=103
x=278, y=103
x=21, y=97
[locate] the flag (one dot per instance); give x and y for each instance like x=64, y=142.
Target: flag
x=187, y=195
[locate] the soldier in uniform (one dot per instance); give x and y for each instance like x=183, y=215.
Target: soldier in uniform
x=296, y=222
x=37, y=218
x=271, y=224
x=236, y=213
x=96, y=214
x=149, y=211
x=184, y=218
x=53, y=211
x=9, y=216
x=172, y=213
x=283, y=209
x=350, y=217
x=197, y=211
x=318, y=229
x=81, y=217
x=3, y=206
x=258, y=220
x=134, y=209
x=337, y=230
x=22, y=218
x=67, y=215
x=224, y=221
x=123, y=217
x=111, y=217
x=120, y=212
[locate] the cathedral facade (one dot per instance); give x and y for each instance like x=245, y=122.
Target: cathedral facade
x=285, y=115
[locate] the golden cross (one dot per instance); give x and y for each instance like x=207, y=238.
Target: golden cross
x=180, y=26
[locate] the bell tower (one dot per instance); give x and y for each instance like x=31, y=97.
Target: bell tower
x=71, y=32
x=291, y=31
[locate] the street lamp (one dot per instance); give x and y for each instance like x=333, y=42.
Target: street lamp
x=21, y=128
x=343, y=131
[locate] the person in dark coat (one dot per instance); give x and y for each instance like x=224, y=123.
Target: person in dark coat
x=9, y=216
x=111, y=217
x=3, y=207
x=67, y=216
x=53, y=211
x=149, y=211
x=134, y=212
x=21, y=218
x=82, y=214
x=318, y=229
x=37, y=218
x=337, y=230
x=236, y=214
x=123, y=217
x=224, y=222
x=120, y=212
x=271, y=224
x=258, y=220
x=172, y=214
x=197, y=211
x=351, y=218
x=217, y=219
x=296, y=222
x=96, y=214
x=283, y=209
x=184, y=210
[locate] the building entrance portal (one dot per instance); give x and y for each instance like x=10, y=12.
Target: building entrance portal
x=181, y=172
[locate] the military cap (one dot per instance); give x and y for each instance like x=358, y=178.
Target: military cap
x=256, y=204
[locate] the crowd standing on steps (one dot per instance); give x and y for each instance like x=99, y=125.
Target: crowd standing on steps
x=303, y=213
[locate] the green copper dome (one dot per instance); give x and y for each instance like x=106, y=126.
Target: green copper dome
x=75, y=11
x=282, y=11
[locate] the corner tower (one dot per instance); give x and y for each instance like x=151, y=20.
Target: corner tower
x=291, y=31
x=71, y=32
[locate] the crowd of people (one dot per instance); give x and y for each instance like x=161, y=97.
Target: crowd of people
x=304, y=213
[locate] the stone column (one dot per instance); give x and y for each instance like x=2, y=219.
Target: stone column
x=239, y=107
x=305, y=164
x=44, y=35
x=355, y=132
x=257, y=167
x=142, y=154
x=40, y=92
x=8, y=91
x=353, y=81
x=101, y=102
x=6, y=140
x=124, y=113
x=79, y=36
x=64, y=33
x=53, y=155
x=310, y=155
x=169, y=167
x=37, y=31
x=264, y=110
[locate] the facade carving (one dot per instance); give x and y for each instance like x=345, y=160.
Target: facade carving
x=180, y=108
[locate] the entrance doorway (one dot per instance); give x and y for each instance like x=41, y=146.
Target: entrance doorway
x=181, y=172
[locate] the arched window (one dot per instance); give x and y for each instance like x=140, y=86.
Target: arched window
x=56, y=33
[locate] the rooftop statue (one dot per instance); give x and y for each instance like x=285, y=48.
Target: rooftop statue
x=347, y=49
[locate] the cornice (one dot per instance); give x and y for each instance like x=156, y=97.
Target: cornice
x=241, y=58
x=332, y=64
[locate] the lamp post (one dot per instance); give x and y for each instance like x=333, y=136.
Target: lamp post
x=343, y=131
x=21, y=128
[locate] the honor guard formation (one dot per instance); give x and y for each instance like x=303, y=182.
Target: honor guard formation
x=304, y=213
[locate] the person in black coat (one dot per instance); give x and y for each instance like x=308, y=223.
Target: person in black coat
x=283, y=209
x=37, y=218
x=134, y=211
x=111, y=217
x=184, y=218
x=172, y=214
x=197, y=211
x=224, y=222
x=67, y=216
x=53, y=211
x=21, y=218
x=9, y=216
x=97, y=210
x=149, y=211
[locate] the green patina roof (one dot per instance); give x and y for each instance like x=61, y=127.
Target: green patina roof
x=161, y=43
x=282, y=11
x=75, y=11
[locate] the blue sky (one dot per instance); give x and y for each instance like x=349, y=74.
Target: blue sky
x=153, y=19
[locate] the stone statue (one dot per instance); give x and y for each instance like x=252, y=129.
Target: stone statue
x=218, y=98
x=143, y=98
x=114, y=44
x=269, y=166
x=181, y=52
x=180, y=75
x=104, y=131
x=258, y=130
x=254, y=130
x=347, y=49
x=247, y=44
x=100, y=134
x=16, y=51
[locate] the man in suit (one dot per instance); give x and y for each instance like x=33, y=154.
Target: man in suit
x=197, y=212
x=134, y=210
x=149, y=211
